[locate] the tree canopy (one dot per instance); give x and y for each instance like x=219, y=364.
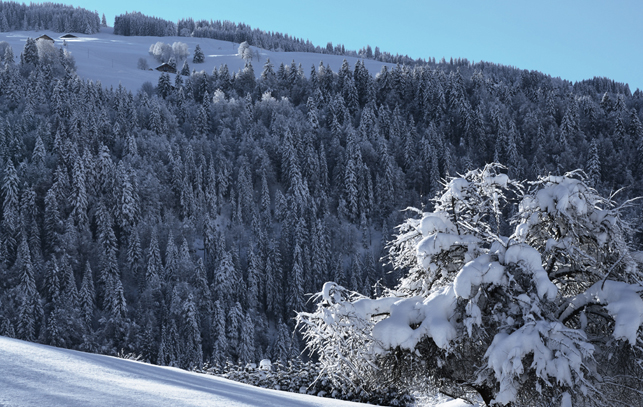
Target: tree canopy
x=549, y=313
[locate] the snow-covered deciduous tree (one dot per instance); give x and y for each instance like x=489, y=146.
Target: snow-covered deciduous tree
x=545, y=308
x=245, y=52
x=142, y=64
x=180, y=50
x=163, y=52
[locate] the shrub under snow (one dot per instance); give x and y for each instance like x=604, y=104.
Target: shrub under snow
x=549, y=314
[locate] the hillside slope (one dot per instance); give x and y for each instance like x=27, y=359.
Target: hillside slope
x=34, y=374
x=112, y=59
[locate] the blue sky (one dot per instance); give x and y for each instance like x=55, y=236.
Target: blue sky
x=572, y=39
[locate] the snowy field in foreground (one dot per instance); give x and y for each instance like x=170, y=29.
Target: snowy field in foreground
x=40, y=375
x=113, y=59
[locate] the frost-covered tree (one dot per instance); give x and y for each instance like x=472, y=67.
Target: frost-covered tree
x=549, y=313
x=198, y=57
x=185, y=70
x=142, y=64
x=245, y=52
x=10, y=209
x=29, y=303
x=163, y=52
x=220, y=349
x=193, y=353
x=29, y=54
x=247, y=340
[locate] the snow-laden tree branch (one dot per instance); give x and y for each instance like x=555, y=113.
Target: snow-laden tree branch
x=532, y=317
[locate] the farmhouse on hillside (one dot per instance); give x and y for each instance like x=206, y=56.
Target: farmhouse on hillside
x=166, y=68
x=45, y=37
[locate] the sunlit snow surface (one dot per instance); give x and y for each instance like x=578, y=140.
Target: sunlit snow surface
x=113, y=59
x=39, y=375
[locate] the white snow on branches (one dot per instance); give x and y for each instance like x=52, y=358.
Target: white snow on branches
x=557, y=354
x=482, y=270
x=530, y=259
x=434, y=223
x=439, y=242
x=431, y=316
x=472, y=290
x=621, y=300
x=563, y=195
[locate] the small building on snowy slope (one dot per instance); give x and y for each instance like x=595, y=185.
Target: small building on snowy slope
x=68, y=36
x=45, y=37
x=166, y=68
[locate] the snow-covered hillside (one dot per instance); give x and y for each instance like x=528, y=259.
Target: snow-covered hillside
x=113, y=59
x=38, y=375
x=33, y=374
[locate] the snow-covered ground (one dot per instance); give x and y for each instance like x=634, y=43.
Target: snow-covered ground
x=113, y=59
x=38, y=375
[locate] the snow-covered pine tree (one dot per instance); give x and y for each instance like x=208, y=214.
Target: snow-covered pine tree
x=87, y=297
x=593, y=165
x=198, y=57
x=247, y=340
x=10, y=210
x=221, y=348
x=233, y=327
x=192, y=350
x=30, y=310
x=295, y=284
x=79, y=193
x=29, y=56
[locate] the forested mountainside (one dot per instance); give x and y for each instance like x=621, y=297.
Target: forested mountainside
x=138, y=24
x=186, y=222
x=47, y=16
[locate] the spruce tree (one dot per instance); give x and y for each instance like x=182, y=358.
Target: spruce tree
x=198, y=58
x=594, y=165
x=221, y=347
x=154, y=265
x=29, y=306
x=87, y=296
x=185, y=70
x=10, y=209
x=29, y=56
x=192, y=350
x=247, y=340
x=233, y=327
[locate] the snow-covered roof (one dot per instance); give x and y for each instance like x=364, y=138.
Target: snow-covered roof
x=45, y=37
x=166, y=68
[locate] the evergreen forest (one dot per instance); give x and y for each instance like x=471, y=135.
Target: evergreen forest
x=185, y=222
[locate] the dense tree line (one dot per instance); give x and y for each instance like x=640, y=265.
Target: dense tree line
x=186, y=221
x=276, y=41
x=135, y=24
x=47, y=16
x=138, y=24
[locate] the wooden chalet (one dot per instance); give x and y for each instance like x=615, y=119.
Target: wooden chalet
x=166, y=68
x=45, y=37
